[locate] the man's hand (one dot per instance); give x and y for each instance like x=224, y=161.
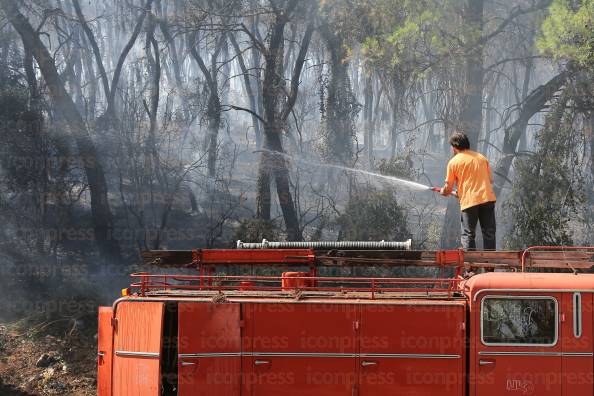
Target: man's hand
x=446, y=190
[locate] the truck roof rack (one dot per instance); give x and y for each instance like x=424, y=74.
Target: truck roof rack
x=316, y=256
x=534, y=258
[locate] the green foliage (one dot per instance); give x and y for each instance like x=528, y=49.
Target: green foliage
x=568, y=32
x=407, y=36
x=254, y=230
x=399, y=166
x=374, y=216
x=547, y=191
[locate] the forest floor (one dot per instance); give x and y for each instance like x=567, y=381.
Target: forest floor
x=50, y=358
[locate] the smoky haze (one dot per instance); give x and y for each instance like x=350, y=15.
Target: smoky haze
x=178, y=124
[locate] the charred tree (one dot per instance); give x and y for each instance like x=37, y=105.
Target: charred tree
x=213, y=110
x=471, y=114
x=123, y=55
x=535, y=102
x=276, y=112
x=249, y=89
x=109, y=118
x=471, y=117
x=341, y=106
x=368, y=110
x=66, y=109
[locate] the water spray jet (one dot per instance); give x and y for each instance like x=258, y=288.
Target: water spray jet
x=411, y=184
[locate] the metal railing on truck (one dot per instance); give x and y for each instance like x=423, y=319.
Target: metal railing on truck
x=152, y=284
x=345, y=254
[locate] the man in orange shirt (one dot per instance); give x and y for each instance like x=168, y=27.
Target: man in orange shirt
x=471, y=173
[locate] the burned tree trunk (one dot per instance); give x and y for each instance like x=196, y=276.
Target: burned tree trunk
x=271, y=86
x=122, y=58
x=66, y=109
x=214, y=125
x=368, y=119
x=534, y=103
x=249, y=89
x=213, y=110
x=471, y=114
x=154, y=73
x=471, y=119
x=272, y=162
x=341, y=106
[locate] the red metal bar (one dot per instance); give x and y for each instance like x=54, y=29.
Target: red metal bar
x=313, y=272
x=143, y=280
x=210, y=272
x=448, y=257
x=253, y=256
x=201, y=271
x=224, y=283
x=527, y=251
x=258, y=277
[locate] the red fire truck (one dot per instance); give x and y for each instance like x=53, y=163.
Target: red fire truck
x=291, y=330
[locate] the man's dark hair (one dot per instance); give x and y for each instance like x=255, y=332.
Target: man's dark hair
x=460, y=141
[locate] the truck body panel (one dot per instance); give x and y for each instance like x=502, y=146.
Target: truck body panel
x=501, y=333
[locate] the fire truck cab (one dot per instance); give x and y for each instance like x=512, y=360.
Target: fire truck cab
x=493, y=334
x=530, y=334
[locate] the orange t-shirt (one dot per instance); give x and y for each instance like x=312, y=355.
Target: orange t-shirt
x=472, y=174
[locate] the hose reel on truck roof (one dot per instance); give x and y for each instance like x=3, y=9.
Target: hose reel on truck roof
x=347, y=245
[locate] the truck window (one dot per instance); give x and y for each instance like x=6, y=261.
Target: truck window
x=519, y=321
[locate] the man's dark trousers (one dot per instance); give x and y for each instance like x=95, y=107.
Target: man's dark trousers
x=485, y=215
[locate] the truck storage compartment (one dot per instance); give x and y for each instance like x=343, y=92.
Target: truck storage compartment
x=415, y=348
x=298, y=349
x=138, y=337
x=288, y=348
x=209, y=344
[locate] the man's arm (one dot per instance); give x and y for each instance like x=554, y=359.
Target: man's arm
x=448, y=187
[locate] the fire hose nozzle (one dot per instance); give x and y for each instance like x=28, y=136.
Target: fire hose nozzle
x=438, y=190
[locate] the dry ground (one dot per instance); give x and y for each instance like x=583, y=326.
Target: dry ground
x=67, y=353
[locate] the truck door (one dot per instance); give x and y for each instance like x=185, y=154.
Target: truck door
x=209, y=344
x=137, y=349
x=104, y=351
x=517, y=345
x=413, y=349
x=301, y=349
x=576, y=336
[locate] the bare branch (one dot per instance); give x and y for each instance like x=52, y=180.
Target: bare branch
x=94, y=46
x=233, y=107
x=516, y=12
x=257, y=43
x=297, y=72
x=196, y=55
x=118, y=70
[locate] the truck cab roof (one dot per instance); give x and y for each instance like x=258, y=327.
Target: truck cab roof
x=528, y=282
